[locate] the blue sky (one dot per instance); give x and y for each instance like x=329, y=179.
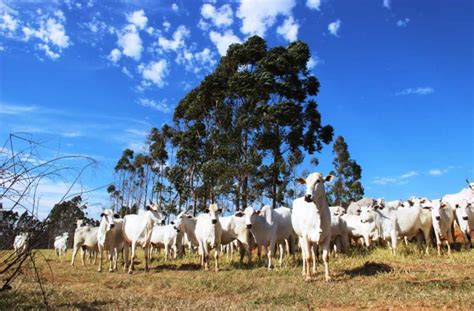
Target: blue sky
x=92, y=77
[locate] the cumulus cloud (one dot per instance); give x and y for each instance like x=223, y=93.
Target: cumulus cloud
x=196, y=62
x=8, y=23
x=222, y=41
x=154, y=73
x=334, y=28
x=174, y=7
x=312, y=62
x=289, y=29
x=156, y=105
x=177, y=40
x=313, y=4
x=115, y=55
x=51, y=34
x=387, y=4
x=416, y=91
x=166, y=25
x=138, y=19
x=221, y=17
x=259, y=15
x=130, y=42
x=403, y=22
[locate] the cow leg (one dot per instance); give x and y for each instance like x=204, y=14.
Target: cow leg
x=326, y=260
x=83, y=256
x=303, y=256
x=427, y=236
x=101, y=250
x=282, y=250
x=206, y=256
x=147, y=257
x=309, y=257
x=132, y=258
x=405, y=238
x=74, y=253
x=111, y=259
x=314, y=258
x=217, y=251
x=270, y=252
x=394, y=242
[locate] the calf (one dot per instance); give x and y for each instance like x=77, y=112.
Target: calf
x=311, y=220
x=110, y=238
x=465, y=220
x=357, y=228
x=85, y=238
x=208, y=233
x=271, y=227
x=60, y=244
x=137, y=230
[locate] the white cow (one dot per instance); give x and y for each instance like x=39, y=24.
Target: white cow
x=272, y=227
x=110, y=238
x=339, y=233
x=85, y=238
x=443, y=217
x=21, y=242
x=357, y=228
x=354, y=208
x=466, y=194
x=392, y=223
x=465, y=220
x=187, y=224
x=167, y=237
x=60, y=244
x=208, y=233
x=337, y=210
x=311, y=220
x=425, y=220
x=235, y=229
x=137, y=230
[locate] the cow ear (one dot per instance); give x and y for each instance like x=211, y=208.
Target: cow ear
x=239, y=214
x=102, y=215
x=328, y=178
x=189, y=216
x=116, y=216
x=301, y=180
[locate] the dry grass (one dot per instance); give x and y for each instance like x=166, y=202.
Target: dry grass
x=372, y=279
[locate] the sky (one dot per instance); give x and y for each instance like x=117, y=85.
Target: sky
x=92, y=77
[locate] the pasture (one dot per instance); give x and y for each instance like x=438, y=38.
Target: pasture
x=363, y=279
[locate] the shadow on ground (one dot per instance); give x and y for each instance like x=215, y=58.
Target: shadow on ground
x=369, y=268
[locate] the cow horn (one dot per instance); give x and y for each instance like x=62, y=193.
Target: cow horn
x=467, y=181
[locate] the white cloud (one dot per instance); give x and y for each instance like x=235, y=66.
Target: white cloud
x=177, y=41
x=222, y=41
x=198, y=61
x=96, y=26
x=313, y=4
x=115, y=55
x=387, y=4
x=166, y=25
x=334, y=27
x=15, y=109
x=221, y=17
x=154, y=72
x=439, y=172
x=289, y=29
x=8, y=22
x=402, y=179
x=138, y=19
x=156, y=105
x=130, y=42
x=259, y=15
x=416, y=91
x=174, y=7
x=126, y=72
x=312, y=62
x=51, y=34
x=403, y=22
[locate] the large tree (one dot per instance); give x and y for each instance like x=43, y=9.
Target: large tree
x=245, y=127
x=347, y=188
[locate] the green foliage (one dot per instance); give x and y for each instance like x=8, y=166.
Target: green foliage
x=347, y=188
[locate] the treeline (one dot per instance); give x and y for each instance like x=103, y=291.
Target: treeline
x=237, y=138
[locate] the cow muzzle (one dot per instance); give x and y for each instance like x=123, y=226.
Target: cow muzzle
x=465, y=218
x=308, y=198
x=214, y=221
x=249, y=226
x=438, y=218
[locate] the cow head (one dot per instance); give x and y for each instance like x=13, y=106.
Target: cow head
x=462, y=210
x=107, y=219
x=338, y=210
x=214, y=212
x=249, y=215
x=314, y=186
x=367, y=213
x=157, y=217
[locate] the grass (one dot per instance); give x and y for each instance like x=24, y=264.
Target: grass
x=369, y=279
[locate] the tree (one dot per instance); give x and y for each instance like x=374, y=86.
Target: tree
x=347, y=188
x=246, y=126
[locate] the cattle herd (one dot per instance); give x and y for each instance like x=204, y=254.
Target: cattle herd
x=310, y=226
